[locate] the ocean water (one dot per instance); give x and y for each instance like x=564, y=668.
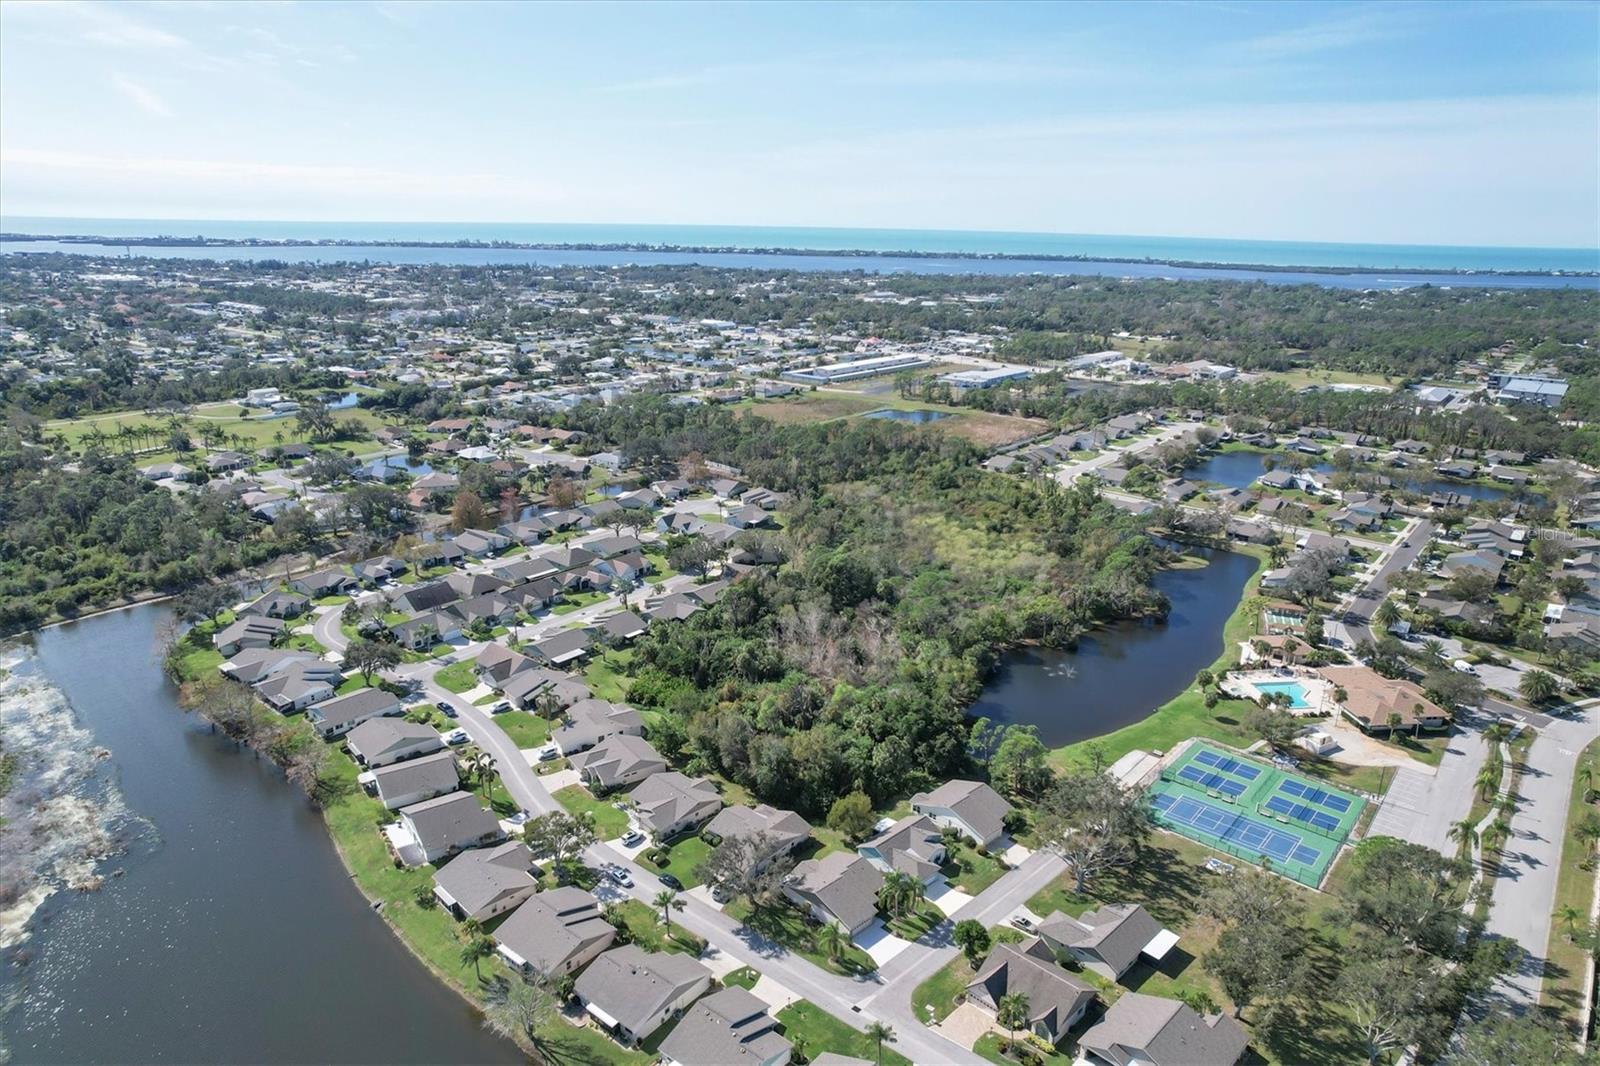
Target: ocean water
x=1384, y=257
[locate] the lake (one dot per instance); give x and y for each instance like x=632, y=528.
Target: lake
x=235, y=934
x=1121, y=674
x=390, y=465
x=1239, y=470
x=920, y=418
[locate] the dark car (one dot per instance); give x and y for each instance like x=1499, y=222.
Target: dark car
x=671, y=882
x=445, y=709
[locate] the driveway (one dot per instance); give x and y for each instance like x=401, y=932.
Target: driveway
x=1421, y=806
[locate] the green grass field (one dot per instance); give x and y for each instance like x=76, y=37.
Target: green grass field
x=609, y=822
x=810, y=1027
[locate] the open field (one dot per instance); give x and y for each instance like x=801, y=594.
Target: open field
x=255, y=432
x=1299, y=379
x=980, y=427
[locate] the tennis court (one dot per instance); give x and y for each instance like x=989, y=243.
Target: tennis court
x=1259, y=813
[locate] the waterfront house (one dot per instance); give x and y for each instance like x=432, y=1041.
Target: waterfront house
x=299, y=684
x=1141, y=1030
x=250, y=631
x=1056, y=1000
x=839, y=887
x=974, y=809
x=554, y=933
x=381, y=741
x=632, y=992
x=450, y=823
x=323, y=583
x=730, y=1027
x=278, y=604
x=404, y=783
x=336, y=717
x=485, y=882
x=1108, y=939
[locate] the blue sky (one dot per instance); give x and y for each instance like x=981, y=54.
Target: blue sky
x=1426, y=123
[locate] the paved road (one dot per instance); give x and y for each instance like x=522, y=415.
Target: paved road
x=1072, y=471
x=325, y=630
x=1421, y=807
x=1525, y=884
x=1358, y=615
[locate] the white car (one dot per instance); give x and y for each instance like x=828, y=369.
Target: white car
x=620, y=876
x=548, y=752
x=456, y=736
x=632, y=838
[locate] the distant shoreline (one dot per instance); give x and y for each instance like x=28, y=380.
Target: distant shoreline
x=699, y=249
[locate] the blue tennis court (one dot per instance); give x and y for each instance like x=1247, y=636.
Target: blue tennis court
x=1313, y=795
x=1299, y=812
x=1227, y=764
x=1237, y=828
x=1211, y=782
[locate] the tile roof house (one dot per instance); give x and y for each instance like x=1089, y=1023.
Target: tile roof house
x=839, y=887
x=1373, y=701
x=448, y=824
x=485, y=882
x=730, y=1027
x=913, y=845
x=1141, y=1030
x=977, y=811
x=616, y=762
x=1056, y=999
x=669, y=803
x=402, y=784
x=381, y=741
x=632, y=992
x=336, y=717
x=590, y=721
x=1108, y=939
x=554, y=933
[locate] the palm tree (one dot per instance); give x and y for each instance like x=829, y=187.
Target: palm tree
x=880, y=1034
x=1488, y=780
x=1496, y=835
x=1434, y=649
x=1464, y=833
x=1586, y=779
x=1570, y=916
x=1537, y=686
x=1012, y=1012
x=1387, y=614
x=667, y=899
x=831, y=940
x=477, y=948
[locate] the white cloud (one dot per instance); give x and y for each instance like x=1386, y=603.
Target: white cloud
x=1345, y=31
x=145, y=98
x=93, y=23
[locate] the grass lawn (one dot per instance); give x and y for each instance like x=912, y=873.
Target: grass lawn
x=659, y=569
x=936, y=997
x=353, y=683
x=1299, y=379
x=1565, y=961
x=969, y=871
x=744, y=977
x=576, y=601
x=783, y=923
x=458, y=677
x=813, y=1030
x=644, y=926
x=918, y=923
x=197, y=655
x=687, y=855
x=607, y=675
x=525, y=730
x=609, y=823
x=988, y=1048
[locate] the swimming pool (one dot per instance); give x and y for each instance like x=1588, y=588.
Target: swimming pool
x=1293, y=689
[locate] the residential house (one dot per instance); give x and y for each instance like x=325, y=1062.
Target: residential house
x=381, y=741
x=783, y=830
x=374, y=572
x=537, y=688
x=402, y=784
x=323, y=583
x=590, y=721
x=1056, y=1000
x=336, y=717
x=1108, y=939
x=277, y=604
x=299, y=684
x=421, y=632
x=669, y=803
x=1141, y=1030
x=730, y=1027
x=632, y=992
x=1488, y=562
x=249, y=631
x=974, y=809
x=616, y=762
x=839, y=887
x=478, y=543
x=450, y=823
x=565, y=647
x=913, y=845
x=554, y=933
x=623, y=626
x=485, y=882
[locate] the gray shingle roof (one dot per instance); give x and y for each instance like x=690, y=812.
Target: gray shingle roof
x=1166, y=1032
x=723, y=1029
x=554, y=927
x=973, y=802
x=633, y=985
x=1116, y=932
x=478, y=879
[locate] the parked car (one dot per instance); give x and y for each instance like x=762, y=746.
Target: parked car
x=500, y=708
x=1023, y=922
x=671, y=882
x=632, y=838
x=548, y=752
x=619, y=876
x=456, y=736
x=720, y=894
x=519, y=818
x=445, y=709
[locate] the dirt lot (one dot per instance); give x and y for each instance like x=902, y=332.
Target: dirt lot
x=989, y=430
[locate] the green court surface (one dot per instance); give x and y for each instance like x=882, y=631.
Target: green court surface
x=1255, y=811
